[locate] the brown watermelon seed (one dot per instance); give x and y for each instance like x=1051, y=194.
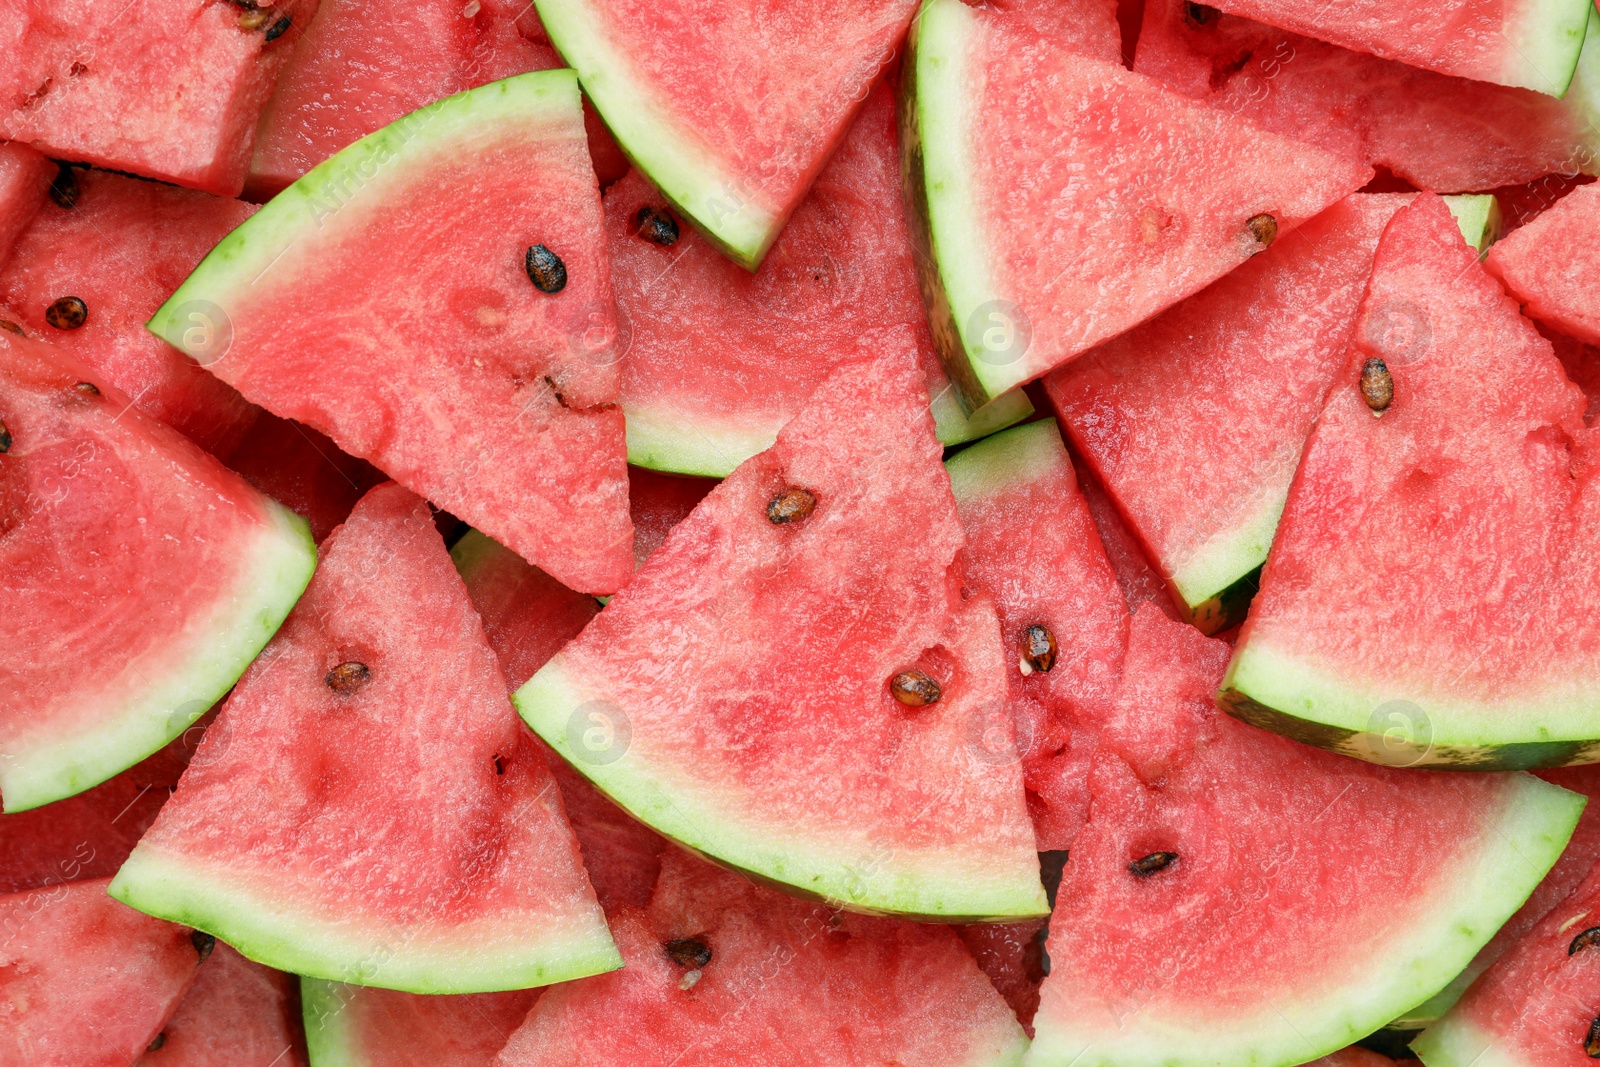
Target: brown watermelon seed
x=791, y=505
x=1145, y=866
x=915, y=689
x=64, y=188
x=1588, y=939
x=253, y=18
x=68, y=313
x=1377, y=384
x=499, y=765
x=348, y=678
x=688, y=952
x=1591, y=1041
x=1264, y=228
x=278, y=29
x=656, y=226
x=545, y=269
x=5, y=439
x=86, y=389
x=203, y=943
x=1039, y=647
x=1198, y=15
x=11, y=327
x=160, y=1039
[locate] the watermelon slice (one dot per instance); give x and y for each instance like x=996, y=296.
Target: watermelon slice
x=120, y=246
x=1139, y=581
x=237, y=1013
x=359, y=1026
x=1551, y=267
x=730, y=109
x=468, y=383
x=718, y=359
x=296, y=853
x=737, y=694
x=141, y=578
x=720, y=971
x=303, y=470
x=1048, y=224
x=1478, y=499
x=174, y=95
x=1531, y=44
x=658, y=503
x=1435, y=131
x=84, y=981
x=1012, y=955
x=25, y=175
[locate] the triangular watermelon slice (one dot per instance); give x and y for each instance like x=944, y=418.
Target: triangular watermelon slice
x=25, y=175
x=730, y=108
x=367, y=807
x=85, y=981
x=1552, y=265
x=720, y=971
x=141, y=577
x=360, y=1026
x=459, y=375
x=1433, y=591
x=1061, y=200
x=658, y=502
x=794, y=685
x=237, y=1013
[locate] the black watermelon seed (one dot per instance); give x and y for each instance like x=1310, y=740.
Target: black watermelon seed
x=1588, y=939
x=1145, y=866
x=64, y=187
x=278, y=29
x=915, y=689
x=5, y=439
x=499, y=765
x=203, y=943
x=68, y=313
x=1198, y=15
x=11, y=327
x=1264, y=228
x=1377, y=384
x=86, y=389
x=545, y=269
x=791, y=505
x=688, y=952
x=1039, y=647
x=161, y=1039
x=348, y=678
x=1591, y=1041
x=656, y=226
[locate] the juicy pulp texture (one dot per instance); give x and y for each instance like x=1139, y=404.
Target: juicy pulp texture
x=469, y=385
x=360, y=1026
x=25, y=176
x=297, y=854
x=1552, y=268
x=303, y=470
x=1432, y=593
x=658, y=502
x=237, y=1014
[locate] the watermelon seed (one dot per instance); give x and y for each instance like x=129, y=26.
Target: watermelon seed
x=915, y=689
x=545, y=269
x=68, y=313
x=64, y=187
x=688, y=952
x=86, y=389
x=253, y=18
x=278, y=29
x=5, y=439
x=11, y=327
x=690, y=980
x=160, y=1039
x=1145, y=866
x=203, y=943
x=1264, y=228
x=1198, y=15
x=499, y=765
x=77, y=69
x=1039, y=648
x=1591, y=1043
x=791, y=505
x=1377, y=384
x=655, y=226
x=1588, y=939
x=348, y=678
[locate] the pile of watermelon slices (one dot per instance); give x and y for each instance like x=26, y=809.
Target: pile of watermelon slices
x=943, y=533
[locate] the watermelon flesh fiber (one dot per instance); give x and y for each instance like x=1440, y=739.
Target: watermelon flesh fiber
x=1548, y=265
x=361, y=1026
x=237, y=1013
x=25, y=177
x=303, y=470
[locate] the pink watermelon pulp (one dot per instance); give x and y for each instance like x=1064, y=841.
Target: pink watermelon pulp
x=658, y=503
x=1550, y=265
x=294, y=854
x=237, y=1013
x=1474, y=497
x=25, y=175
x=1046, y=224
x=358, y=1026
x=303, y=470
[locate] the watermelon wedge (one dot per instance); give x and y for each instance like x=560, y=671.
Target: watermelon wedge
x=1479, y=499
x=1139, y=581
x=237, y=1013
x=314, y=857
x=720, y=971
x=141, y=578
x=730, y=109
x=1436, y=132
x=176, y=100
x=461, y=378
x=359, y=1026
x=659, y=502
x=1531, y=44
x=792, y=682
x=120, y=246
x=303, y=470
x=718, y=359
x=84, y=981
x=1047, y=225
x=25, y=176
x=1551, y=267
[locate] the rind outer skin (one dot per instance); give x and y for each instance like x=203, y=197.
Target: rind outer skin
x=1461, y=1044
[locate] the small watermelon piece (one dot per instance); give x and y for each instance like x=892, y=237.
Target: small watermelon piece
x=1475, y=492
x=177, y=98
x=718, y=359
x=237, y=1013
x=658, y=502
x=462, y=379
x=1530, y=44
x=296, y=852
x=736, y=695
x=141, y=578
x=303, y=470
x=1551, y=266
x=720, y=971
x=1536, y=1006
x=121, y=246
x=25, y=176
x=730, y=109
x=361, y=1026
x=1047, y=224
x=85, y=981
x=1436, y=132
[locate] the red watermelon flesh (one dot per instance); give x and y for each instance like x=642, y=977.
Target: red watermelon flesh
x=1476, y=493
x=237, y=1014
x=468, y=384
x=1582, y=364
x=296, y=853
x=717, y=359
x=766, y=979
x=1232, y=379
x=173, y=95
x=1012, y=955
x=1552, y=268
x=735, y=696
x=86, y=981
x=1087, y=26
x=1110, y=226
x=1353, y=1057
x=1139, y=581
x=122, y=247
x=303, y=470
x=659, y=502
x=361, y=1026
x=1435, y=131
x=25, y=175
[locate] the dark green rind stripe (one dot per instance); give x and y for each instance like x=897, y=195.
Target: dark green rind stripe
x=1228, y=608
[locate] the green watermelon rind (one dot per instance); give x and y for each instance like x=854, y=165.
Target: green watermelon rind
x=547, y=702
x=722, y=205
x=1515, y=851
x=1455, y=1042
x=1544, y=47
x=1583, y=97
x=280, y=563
x=482, y=957
x=328, y=1040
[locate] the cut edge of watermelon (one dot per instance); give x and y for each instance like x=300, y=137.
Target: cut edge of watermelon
x=1282, y=693
x=1583, y=94
x=1515, y=851
x=219, y=648
x=930, y=894
x=723, y=208
x=1545, y=43
x=1478, y=215
x=1457, y=1042
x=321, y=1011
x=479, y=956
